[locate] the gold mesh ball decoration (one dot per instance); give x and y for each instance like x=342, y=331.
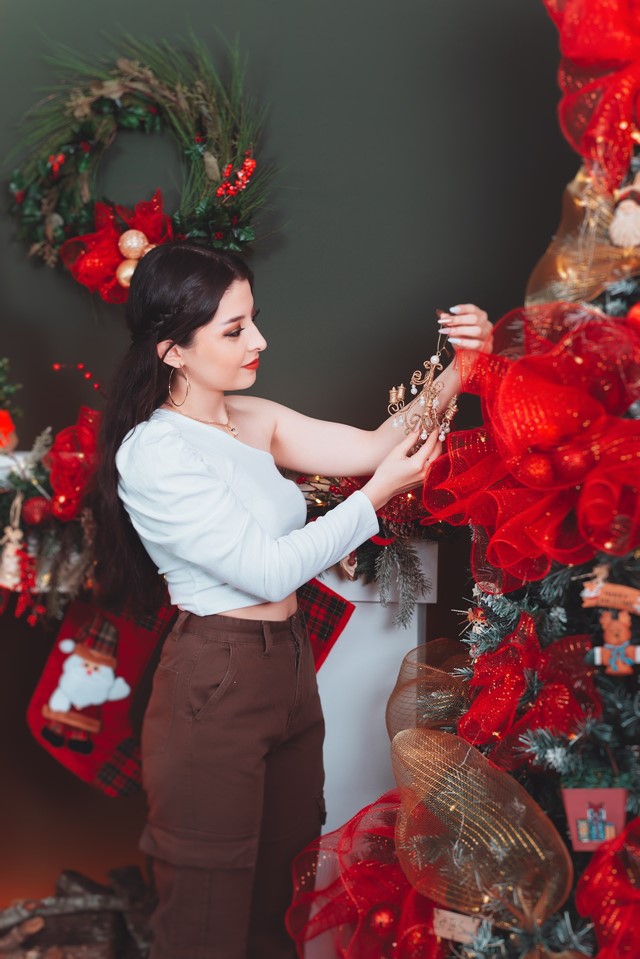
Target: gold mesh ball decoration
x=470, y=837
x=582, y=261
x=426, y=694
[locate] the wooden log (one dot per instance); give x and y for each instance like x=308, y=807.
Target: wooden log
x=58, y=906
x=89, y=950
x=99, y=950
x=72, y=883
x=19, y=933
x=130, y=884
x=23, y=954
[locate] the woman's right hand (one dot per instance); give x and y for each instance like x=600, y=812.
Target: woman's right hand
x=399, y=471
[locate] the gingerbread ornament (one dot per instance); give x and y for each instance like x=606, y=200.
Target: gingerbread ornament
x=618, y=654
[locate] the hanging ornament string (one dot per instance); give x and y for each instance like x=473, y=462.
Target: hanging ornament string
x=149, y=88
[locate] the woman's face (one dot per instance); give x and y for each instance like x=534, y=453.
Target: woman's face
x=224, y=354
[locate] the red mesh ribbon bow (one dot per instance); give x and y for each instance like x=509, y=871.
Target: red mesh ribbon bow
x=93, y=259
x=553, y=475
x=608, y=892
x=350, y=889
x=599, y=76
x=500, y=682
x=71, y=461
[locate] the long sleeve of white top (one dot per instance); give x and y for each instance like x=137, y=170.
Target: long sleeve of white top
x=179, y=502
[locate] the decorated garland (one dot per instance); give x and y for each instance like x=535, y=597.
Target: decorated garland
x=149, y=87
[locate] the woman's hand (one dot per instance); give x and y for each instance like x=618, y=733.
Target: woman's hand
x=467, y=327
x=399, y=471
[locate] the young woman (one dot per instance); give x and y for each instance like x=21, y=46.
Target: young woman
x=190, y=489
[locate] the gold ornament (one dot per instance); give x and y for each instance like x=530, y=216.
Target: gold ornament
x=471, y=838
x=582, y=260
x=427, y=693
x=125, y=271
x=423, y=414
x=132, y=244
x=148, y=247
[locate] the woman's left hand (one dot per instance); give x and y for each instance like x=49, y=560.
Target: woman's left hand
x=467, y=327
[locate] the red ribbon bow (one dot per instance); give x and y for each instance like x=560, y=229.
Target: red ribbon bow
x=93, y=259
x=500, y=681
x=599, y=76
x=349, y=886
x=553, y=475
x=72, y=461
x=608, y=892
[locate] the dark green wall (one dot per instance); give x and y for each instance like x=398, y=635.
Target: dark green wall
x=420, y=164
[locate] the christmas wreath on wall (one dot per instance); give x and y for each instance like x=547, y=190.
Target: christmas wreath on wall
x=149, y=87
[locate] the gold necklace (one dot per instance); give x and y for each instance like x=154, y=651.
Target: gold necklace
x=228, y=426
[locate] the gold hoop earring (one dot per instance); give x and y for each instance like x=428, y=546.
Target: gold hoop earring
x=182, y=370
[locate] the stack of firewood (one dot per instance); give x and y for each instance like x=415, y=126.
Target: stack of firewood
x=84, y=920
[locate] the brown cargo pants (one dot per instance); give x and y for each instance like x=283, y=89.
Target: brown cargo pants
x=232, y=767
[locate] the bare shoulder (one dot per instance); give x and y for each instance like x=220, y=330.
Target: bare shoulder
x=256, y=418
x=242, y=405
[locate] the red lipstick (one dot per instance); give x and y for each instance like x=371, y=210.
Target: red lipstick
x=253, y=365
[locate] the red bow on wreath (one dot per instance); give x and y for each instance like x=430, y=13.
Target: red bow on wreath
x=71, y=461
x=500, y=681
x=553, y=475
x=349, y=889
x=608, y=892
x=93, y=259
x=599, y=77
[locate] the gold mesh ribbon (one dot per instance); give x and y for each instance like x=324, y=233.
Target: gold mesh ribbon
x=580, y=262
x=426, y=694
x=471, y=838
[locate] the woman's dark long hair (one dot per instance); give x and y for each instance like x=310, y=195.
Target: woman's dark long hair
x=175, y=290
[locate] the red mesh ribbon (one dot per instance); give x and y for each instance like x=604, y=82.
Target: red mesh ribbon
x=608, y=892
x=6, y=428
x=553, y=475
x=71, y=462
x=500, y=682
x=350, y=890
x=599, y=76
x=94, y=258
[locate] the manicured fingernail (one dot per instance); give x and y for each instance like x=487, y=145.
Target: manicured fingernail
x=455, y=309
x=455, y=340
x=444, y=321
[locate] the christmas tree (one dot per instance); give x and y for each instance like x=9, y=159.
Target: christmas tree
x=515, y=829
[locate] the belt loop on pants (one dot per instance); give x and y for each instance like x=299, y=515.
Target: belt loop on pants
x=178, y=626
x=266, y=632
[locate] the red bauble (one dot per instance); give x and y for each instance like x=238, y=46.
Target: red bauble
x=534, y=469
x=35, y=510
x=417, y=937
x=634, y=312
x=382, y=921
x=573, y=465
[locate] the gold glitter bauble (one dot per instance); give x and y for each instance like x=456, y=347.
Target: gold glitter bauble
x=148, y=247
x=125, y=271
x=132, y=244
